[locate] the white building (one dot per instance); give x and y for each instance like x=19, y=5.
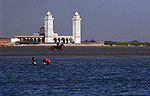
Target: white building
x=76, y=26
x=49, y=32
x=50, y=37
x=13, y=40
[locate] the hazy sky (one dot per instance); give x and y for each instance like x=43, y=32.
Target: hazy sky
x=118, y=20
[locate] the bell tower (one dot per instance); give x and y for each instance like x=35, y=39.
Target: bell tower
x=49, y=28
x=76, y=28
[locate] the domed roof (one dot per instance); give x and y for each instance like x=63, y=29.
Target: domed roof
x=48, y=13
x=76, y=14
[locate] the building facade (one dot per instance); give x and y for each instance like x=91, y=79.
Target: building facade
x=76, y=28
x=49, y=36
x=49, y=32
x=5, y=41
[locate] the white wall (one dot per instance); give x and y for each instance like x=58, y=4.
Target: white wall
x=13, y=40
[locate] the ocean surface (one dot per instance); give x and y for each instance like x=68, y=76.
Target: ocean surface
x=118, y=75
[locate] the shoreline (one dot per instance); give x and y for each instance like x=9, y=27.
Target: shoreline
x=73, y=50
x=69, y=45
x=75, y=54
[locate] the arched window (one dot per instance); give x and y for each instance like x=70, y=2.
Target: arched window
x=67, y=40
x=63, y=40
x=70, y=40
x=55, y=40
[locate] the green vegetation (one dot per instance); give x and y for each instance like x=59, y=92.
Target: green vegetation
x=132, y=43
x=89, y=41
x=111, y=43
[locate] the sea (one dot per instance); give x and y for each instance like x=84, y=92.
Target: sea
x=74, y=75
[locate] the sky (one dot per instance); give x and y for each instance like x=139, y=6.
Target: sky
x=115, y=20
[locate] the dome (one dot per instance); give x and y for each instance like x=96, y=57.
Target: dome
x=48, y=13
x=76, y=14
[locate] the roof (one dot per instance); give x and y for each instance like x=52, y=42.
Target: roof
x=5, y=38
x=29, y=36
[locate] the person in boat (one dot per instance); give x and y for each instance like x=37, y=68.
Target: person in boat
x=33, y=61
x=46, y=61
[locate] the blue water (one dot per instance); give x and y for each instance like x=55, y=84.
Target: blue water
x=75, y=76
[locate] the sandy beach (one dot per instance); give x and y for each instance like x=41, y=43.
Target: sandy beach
x=72, y=50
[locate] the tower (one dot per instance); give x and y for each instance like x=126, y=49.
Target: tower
x=49, y=28
x=76, y=28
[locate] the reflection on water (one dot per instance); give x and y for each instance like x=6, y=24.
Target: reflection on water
x=75, y=76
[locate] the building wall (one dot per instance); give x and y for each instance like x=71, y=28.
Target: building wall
x=49, y=33
x=4, y=41
x=13, y=40
x=76, y=28
x=50, y=36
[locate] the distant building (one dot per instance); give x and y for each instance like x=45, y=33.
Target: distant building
x=46, y=34
x=13, y=40
x=76, y=20
x=5, y=41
